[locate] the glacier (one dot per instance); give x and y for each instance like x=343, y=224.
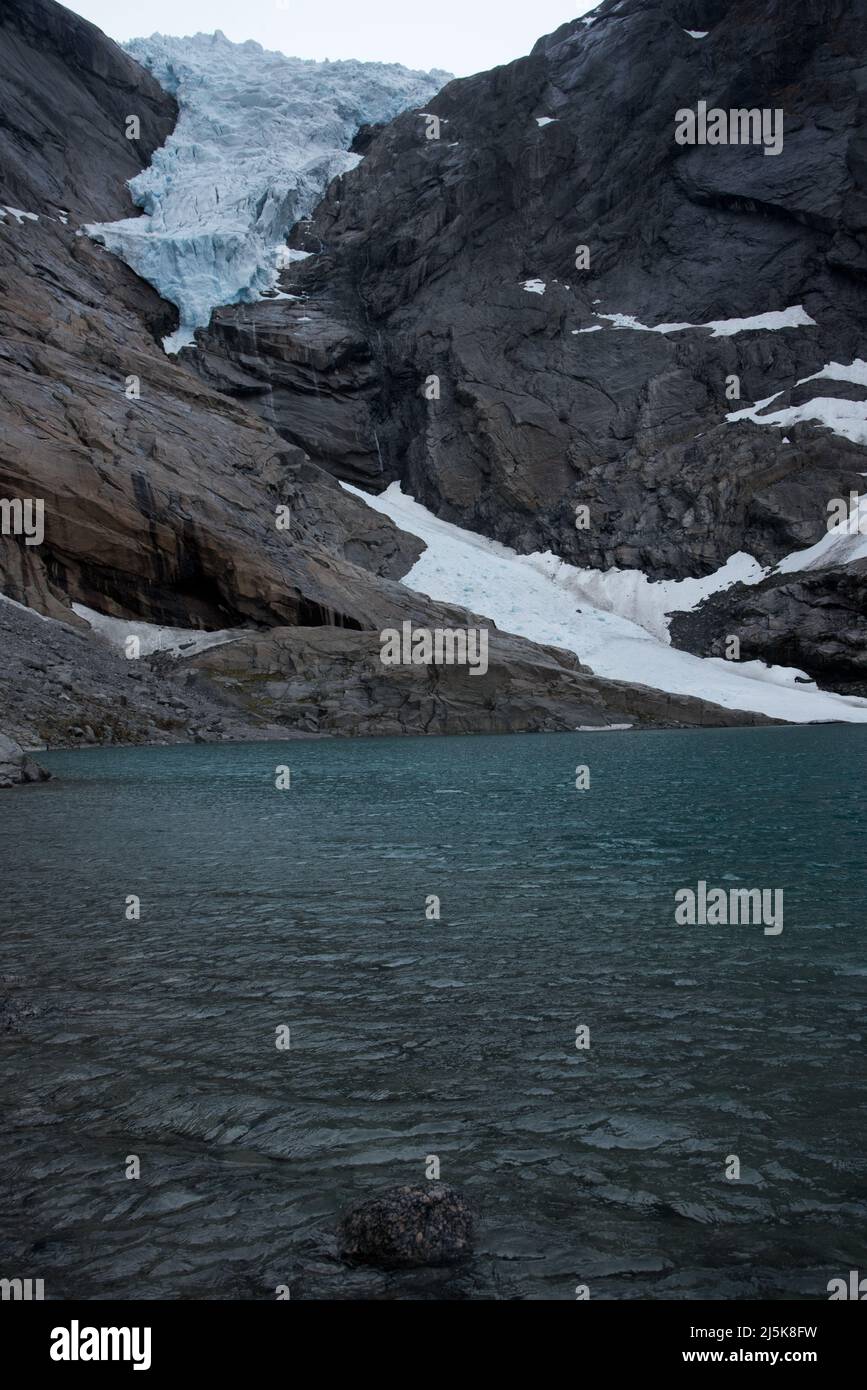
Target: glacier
x=258, y=139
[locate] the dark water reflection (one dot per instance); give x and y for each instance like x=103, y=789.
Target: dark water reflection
x=412, y=1037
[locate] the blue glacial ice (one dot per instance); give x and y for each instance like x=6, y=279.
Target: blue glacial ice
x=258, y=139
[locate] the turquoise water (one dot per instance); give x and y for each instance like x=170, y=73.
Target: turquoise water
x=456, y=1038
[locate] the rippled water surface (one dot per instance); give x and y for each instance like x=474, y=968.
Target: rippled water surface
x=454, y=1038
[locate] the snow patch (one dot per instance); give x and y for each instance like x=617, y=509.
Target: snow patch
x=534, y=286
x=697, y=33
x=18, y=213
x=856, y=372
x=545, y=120
x=258, y=139
x=177, y=641
x=646, y=602
x=846, y=418
x=842, y=545
x=599, y=728
x=794, y=317
x=542, y=598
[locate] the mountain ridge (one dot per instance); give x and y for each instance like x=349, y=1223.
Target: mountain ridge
x=161, y=498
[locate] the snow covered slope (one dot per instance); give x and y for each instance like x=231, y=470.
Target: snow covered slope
x=258, y=139
x=615, y=622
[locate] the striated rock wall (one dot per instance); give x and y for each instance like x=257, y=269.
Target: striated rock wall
x=67, y=92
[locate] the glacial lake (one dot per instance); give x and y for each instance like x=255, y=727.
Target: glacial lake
x=410, y=1037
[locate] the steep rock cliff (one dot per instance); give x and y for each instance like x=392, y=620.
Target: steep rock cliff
x=444, y=336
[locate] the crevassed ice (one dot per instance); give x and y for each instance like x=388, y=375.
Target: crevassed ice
x=258, y=139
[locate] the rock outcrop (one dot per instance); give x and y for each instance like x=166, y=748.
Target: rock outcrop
x=68, y=91
x=320, y=1273
x=816, y=620
x=16, y=767
x=424, y=1224
x=63, y=687
x=332, y=681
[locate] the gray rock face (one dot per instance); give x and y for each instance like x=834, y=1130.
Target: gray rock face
x=16, y=767
x=331, y=681
x=426, y=1224
x=67, y=93
x=816, y=621
x=423, y=250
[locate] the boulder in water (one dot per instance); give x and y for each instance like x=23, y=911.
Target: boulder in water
x=16, y=767
x=423, y=1224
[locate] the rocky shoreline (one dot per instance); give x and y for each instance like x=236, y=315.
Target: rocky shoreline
x=66, y=687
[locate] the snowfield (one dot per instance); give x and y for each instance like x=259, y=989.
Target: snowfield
x=613, y=621
x=258, y=139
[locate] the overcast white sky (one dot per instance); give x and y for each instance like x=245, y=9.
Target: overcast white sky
x=462, y=36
